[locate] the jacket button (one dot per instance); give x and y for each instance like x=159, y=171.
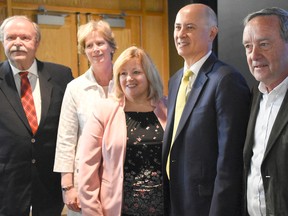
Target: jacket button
x=33, y=140
x=33, y=161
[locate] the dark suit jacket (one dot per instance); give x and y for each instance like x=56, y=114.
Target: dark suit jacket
x=26, y=161
x=274, y=168
x=206, y=157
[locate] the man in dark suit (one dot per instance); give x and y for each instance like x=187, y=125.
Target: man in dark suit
x=203, y=161
x=26, y=157
x=265, y=39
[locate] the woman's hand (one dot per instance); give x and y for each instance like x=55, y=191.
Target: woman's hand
x=71, y=199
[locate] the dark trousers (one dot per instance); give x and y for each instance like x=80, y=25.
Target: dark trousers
x=136, y=215
x=54, y=210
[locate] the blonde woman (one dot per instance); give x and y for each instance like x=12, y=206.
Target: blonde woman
x=120, y=148
x=96, y=41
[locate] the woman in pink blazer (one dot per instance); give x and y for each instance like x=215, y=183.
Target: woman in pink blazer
x=120, y=159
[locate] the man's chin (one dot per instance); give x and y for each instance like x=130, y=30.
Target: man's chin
x=180, y=52
x=19, y=62
x=18, y=58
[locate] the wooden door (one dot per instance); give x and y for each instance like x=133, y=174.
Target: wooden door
x=59, y=44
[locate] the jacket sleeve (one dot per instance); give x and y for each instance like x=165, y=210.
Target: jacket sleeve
x=67, y=137
x=232, y=113
x=90, y=167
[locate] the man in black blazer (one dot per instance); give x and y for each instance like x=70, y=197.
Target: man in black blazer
x=26, y=159
x=265, y=39
x=204, y=173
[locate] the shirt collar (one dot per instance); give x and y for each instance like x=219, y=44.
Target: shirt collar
x=32, y=69
x=91, y=81
x=197, y=65
x=283, y=86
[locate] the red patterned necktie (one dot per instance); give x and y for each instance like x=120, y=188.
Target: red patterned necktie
x=28, y=102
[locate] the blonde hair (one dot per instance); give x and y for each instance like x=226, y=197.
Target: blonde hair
x=152, y=74
x=101, y=27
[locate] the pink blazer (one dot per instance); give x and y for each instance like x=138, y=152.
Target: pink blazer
x=102, y=149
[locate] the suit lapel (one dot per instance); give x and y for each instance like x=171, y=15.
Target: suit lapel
x=8, y=87
x=191, y=101
x=257, y=95
x=173, y=95
x=280, y=122
x=174, y=84
x=197, y=88
x=46, y=90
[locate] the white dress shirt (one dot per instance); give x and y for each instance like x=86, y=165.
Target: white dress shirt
x=78, y=103
x=269, y=108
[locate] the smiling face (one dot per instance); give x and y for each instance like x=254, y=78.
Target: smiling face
x=133, y=80
x=194, y=32
x=97, y=49
x=20, y=44
x=266, y=51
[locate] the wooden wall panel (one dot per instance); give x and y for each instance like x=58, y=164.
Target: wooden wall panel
x=59, y=44
x=130, y=4
x=154, y=45
x=123, y=40
x=128, y=36
x=111, y=4
x=2, y=17
x=154, y=5
x=2, y=54
x=2, y=13
x=83, y=63
x=146, y=27
x=106, y=4
x=134, y=23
